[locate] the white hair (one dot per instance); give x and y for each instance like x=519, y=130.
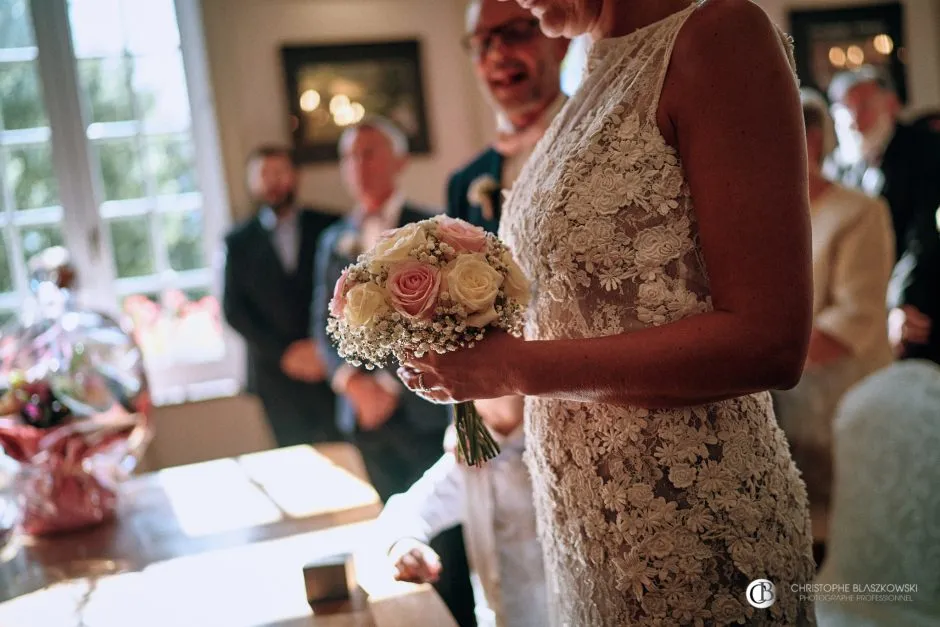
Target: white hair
x=394, y=135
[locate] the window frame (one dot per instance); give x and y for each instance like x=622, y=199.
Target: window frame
x=84, y=214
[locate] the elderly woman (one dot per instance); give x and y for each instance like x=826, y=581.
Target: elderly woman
x=853, y=252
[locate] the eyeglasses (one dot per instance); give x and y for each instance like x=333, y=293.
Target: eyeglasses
x=512, y=33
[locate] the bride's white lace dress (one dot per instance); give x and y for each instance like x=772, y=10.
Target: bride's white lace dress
x=646, y=517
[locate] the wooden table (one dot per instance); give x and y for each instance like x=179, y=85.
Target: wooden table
x=219, y=543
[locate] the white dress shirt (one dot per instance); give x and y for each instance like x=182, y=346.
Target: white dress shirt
x=285, y=235
x=371, y=226
x=494, y=504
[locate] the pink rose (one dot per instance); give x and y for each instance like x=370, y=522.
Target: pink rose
x=413, y=288
x=338, y=303
x=462, y=236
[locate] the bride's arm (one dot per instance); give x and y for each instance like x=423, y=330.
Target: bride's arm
x=734, y=114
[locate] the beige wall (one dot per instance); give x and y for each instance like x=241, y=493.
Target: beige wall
x=244, y=37
x=922, y=29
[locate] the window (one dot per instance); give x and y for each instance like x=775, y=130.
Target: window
x=32, y=213
x=101, y=151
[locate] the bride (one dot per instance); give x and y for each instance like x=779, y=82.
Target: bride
x=663, y=220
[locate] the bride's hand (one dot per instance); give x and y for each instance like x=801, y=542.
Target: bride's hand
x=488, y=370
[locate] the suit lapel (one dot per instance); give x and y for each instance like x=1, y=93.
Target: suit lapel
x=494, y=168
x=495, y=165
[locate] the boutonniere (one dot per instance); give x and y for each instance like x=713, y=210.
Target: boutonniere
x=482, y=193
x=349, y=245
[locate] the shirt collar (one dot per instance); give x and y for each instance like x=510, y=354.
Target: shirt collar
x=391, y=211
x=269, y=220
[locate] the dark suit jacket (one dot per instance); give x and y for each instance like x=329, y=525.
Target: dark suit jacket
x=911, y=171
x=487, y=163
x=419, y=415
x=270, y=308
x=916, y=280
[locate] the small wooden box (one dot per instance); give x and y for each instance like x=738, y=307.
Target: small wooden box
x=329, y=579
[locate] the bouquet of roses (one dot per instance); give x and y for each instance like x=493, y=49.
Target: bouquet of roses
x=435, y=285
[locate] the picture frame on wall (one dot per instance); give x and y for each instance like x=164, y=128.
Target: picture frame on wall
x=331, y=86
x=828, y=41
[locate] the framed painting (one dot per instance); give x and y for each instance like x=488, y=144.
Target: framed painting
x=330, y=87
x=832, y=40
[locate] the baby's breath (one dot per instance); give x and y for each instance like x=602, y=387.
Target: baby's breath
x=391, y=336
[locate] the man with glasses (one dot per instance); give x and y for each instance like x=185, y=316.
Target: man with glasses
x=519, y=70
x=901, y=163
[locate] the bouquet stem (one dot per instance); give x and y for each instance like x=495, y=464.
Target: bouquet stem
x=475, y=445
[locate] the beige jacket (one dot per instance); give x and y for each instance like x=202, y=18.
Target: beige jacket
x=853, y=254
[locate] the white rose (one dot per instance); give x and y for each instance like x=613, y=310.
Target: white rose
x=517, y=286
x=397, y=245
x=657, y=246
x=364, y=304
x=474, y=284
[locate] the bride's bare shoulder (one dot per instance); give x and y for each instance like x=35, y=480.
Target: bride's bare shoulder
x=725, y=30
x=728, y=43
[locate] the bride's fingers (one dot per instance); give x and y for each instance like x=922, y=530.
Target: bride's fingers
x=425, y=362
x=421, y=382
x=410, y=377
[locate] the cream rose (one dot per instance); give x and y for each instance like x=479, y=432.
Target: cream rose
x=398, y=244
x=517, y=286
x=473, y=284
x=413, y=287
x=364, y=304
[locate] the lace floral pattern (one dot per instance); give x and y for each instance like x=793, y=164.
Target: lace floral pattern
x=646, y=517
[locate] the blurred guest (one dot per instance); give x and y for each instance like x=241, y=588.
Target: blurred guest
x=885, y=502
x=916, y=279
x=519, y=71
x=928, y=121
x=398, y=433
x=268, y=284
x=494, y=505
x=899, y=162
x=853, y=252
